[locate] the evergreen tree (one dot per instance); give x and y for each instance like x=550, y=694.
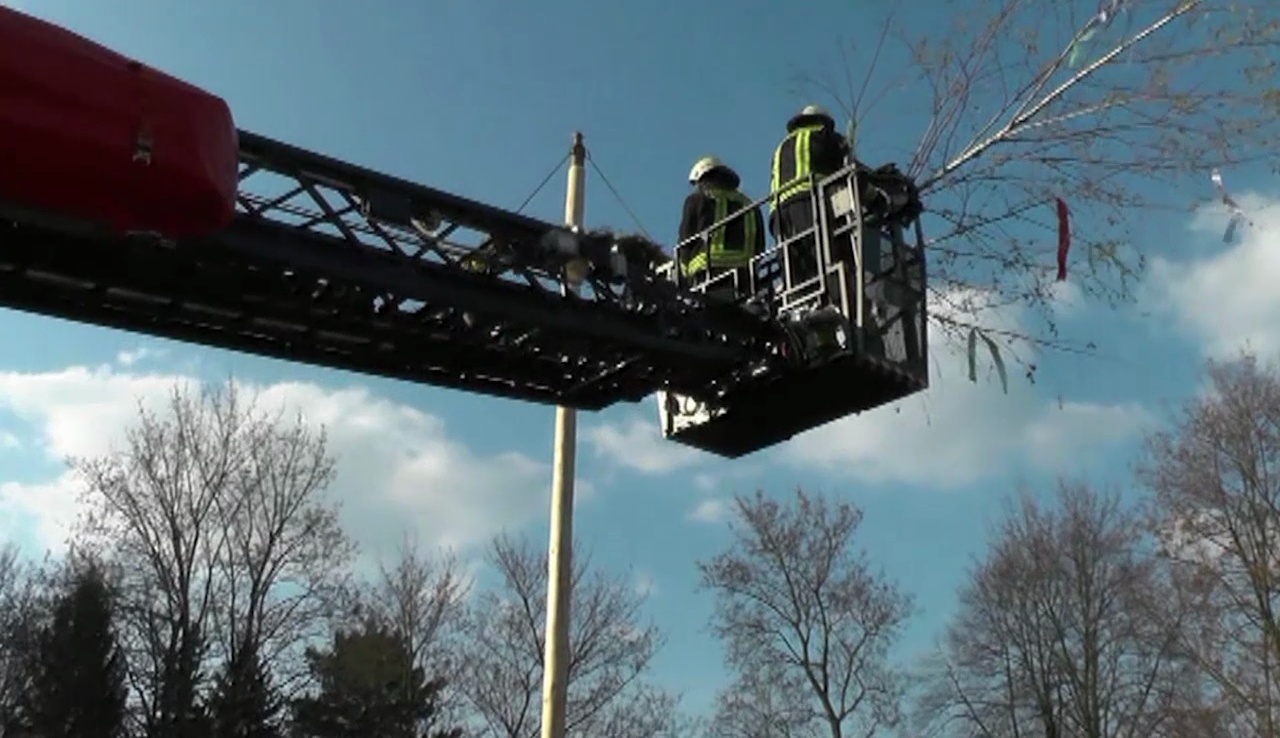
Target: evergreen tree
x=368, y=686
x=243, y=704
x=76, y=670
x=178, y=712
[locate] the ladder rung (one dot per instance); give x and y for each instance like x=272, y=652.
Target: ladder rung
x=793, y=296
x=799, y=305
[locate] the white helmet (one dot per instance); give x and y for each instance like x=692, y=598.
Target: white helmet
x=810, y=113
x=704, y=165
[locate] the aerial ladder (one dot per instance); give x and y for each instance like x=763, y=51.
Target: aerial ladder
x=128, y=199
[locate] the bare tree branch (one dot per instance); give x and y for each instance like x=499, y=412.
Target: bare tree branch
x=610, y=650
x=284, y=567
x=214, y=514
x=1117, y=114
x=1216, y=478
x=794, y=598
x=422, y=597
x=769, y=702
x=18, y=617
x=1057, y=633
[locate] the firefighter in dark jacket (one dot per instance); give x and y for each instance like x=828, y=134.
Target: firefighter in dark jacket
x=729, y=247
x=811, y=147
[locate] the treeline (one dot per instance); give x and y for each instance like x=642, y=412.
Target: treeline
x=211, y=591
x=1149, y=612
x=1156, y=615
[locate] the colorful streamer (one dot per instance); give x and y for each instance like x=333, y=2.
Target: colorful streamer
x=1238, y=217
x=996, y=358
x=1064, y=237
x=1101, y=20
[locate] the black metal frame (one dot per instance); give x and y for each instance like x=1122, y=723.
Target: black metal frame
x=760, y=403
x=332, y=264
x=336, y=265
x=901, y=273
x=905, y=265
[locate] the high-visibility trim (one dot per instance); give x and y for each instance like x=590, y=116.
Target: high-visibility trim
x=729, y=244
x=792, y=165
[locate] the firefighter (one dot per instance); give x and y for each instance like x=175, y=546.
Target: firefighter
x=727, y=248
x=811, y=146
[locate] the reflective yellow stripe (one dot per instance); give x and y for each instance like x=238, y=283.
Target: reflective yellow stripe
x=775, y=176
x=722, y=255
x=799, y=182
x=717, y=235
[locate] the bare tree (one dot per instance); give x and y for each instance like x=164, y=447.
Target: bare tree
x=794, y=596
x=18, y=618
x=153, y=508
x=1110, y=105
x=284, y=563
x=1057, y=633
x=610, y=650
x=769, y=702
x=1216, y=478
x=214, y=514
x=422, y=598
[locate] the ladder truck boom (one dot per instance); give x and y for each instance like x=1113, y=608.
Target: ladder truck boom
x=129, y=199
x=325, y=262
x=182, y=227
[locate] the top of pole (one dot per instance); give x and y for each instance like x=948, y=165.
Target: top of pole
x=579, y=148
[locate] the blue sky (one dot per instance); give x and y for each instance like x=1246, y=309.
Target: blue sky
x=480, y=98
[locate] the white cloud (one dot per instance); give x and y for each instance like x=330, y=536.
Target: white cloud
x=43, y=511
x=132, y=358
x=952, y=435
x=1226, y=297
x=958, y=432
x=1066, y=298
x=398, y=469
x=1194, y=538
x=646, y=585
x=710, y=511
x=637, y=444
x=1054, y=436
x=9, y=442
x=733, y=478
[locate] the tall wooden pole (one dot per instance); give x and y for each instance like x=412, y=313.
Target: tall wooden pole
x=560, y=550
